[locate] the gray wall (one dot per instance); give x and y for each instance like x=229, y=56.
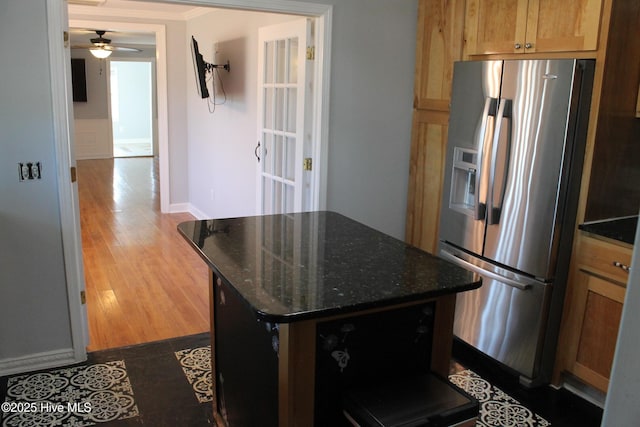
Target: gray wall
x=371, y=108
x=34, y=312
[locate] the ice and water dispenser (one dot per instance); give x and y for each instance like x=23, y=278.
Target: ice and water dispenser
x=463, y=180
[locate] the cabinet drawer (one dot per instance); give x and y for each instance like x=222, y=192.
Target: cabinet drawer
x=601, y=257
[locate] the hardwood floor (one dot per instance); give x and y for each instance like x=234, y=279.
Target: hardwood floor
x=143, y=282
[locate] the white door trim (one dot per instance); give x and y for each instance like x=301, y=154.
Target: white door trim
x=291, y=7
x=67, y=191
x=161, y=94
x=320, y=131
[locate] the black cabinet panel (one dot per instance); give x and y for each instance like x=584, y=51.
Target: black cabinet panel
x=246, y=362
x=366, y=350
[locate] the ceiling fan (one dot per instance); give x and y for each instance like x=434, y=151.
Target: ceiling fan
x=101, y=47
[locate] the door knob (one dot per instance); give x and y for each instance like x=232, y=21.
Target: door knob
x=518, y=46
x=528, y=46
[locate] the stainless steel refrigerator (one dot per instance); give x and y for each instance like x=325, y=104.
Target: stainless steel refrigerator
x=516, y=140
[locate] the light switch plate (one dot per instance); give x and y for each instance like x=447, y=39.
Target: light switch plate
x=29, y=171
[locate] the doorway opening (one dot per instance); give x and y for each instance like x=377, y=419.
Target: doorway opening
x=131, y=90
x=319, y=104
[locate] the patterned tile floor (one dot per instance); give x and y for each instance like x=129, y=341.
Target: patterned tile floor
x=168, y=383
x=196, y=364
x=78, y=396
x=497, y=408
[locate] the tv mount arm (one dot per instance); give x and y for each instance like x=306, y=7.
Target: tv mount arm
x=209, y=67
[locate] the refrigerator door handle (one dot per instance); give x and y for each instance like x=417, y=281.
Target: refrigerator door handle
x=490, y=107
x=494, y=210
x=482, y=272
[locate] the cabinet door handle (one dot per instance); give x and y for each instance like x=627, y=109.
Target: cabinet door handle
x=622, y=266
x=528, y=45
x=255, y=152
x=518, y=46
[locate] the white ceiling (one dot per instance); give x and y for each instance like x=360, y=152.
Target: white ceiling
x=126, y=8
x=82, y=36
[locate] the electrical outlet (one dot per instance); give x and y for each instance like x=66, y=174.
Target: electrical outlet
x=23, y=171
x=35, y=170
x=29, y=171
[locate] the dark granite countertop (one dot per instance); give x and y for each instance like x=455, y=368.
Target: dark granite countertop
x=621, y=229
x=311, y=265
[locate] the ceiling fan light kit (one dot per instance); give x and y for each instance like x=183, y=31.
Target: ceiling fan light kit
x=100, y=52
x=101, y=47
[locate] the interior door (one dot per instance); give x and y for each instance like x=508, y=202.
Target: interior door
x=282, y=77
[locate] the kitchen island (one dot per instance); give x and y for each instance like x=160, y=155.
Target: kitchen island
x=305, y=306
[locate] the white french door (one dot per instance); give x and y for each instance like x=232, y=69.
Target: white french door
x=283, y=85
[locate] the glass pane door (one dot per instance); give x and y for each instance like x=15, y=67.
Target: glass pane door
x=281, y=116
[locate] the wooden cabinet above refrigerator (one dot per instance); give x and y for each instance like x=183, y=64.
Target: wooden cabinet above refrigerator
x=530, y=26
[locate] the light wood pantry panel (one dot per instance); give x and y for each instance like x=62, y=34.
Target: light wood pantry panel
x=439, y=45
x=599, y=330
x=428, y=150
x=529, y=26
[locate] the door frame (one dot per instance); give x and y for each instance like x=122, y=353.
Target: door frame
x=162, y=103
x=60, y=75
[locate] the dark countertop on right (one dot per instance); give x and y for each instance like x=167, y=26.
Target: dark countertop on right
x=621, y=229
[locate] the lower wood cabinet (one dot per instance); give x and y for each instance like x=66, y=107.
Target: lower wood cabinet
x=599, y=329
x=593, y=307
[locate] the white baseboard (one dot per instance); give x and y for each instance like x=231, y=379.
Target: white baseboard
x=188, y=207
x=34, y=362
x=179, y=207
x=95, y=156
x=197, y=212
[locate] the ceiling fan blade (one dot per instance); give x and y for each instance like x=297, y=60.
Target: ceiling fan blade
x=121, y=48
x=107, y=47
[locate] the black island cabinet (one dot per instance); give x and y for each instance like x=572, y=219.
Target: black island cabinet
x=307, y=306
